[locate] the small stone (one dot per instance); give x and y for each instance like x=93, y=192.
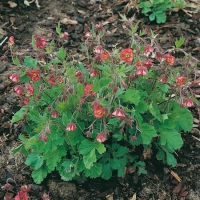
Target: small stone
x=3, y=66
x=2, y=86
x=80, y=20
x=197, y=42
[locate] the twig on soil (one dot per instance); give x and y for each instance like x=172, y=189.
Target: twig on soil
x=196, y=138
x=3, y=41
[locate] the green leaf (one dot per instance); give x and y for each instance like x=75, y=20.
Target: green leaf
x=68, y=169
x=31, y=142
x=87, y=149
x=66, y=118
x=75, y=137
x=56, y=155
x=106, y=171
x=152, y=16
x=180, y=42
x=147, y=133
x=185, y=120
x=131, y=96
x=145, y=4
x=34, y=160
x=89, y=159
x=160, y=154
x=18, y=148
x=155, y=111
x=99, y=147
x=142, y=107
x=54, y=61
x=114, y=122
x=170, y=138
x=39, y=175
x=30, y=62
x=16, y=61
x=122, y=151
x=164, y=88
x=18, y=115
x=61, y=54
x=95, y=171
x=119, y=164
x=70, y=72
x=171, y=160
x=160, y=17
x=80, y=89
x=58, y=29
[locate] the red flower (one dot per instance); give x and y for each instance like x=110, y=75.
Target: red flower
x=98, y=49
x=25, y=188
x=148, y=49
x=188, y=102
x=119, y=113
x=169, y=59
x=159, y=56
x=52, y=79
x=43, y=137
x=99, y=111
x=11, y=40
x=180, y=80
x=133, y=138
x=24, y=101
x=101, y=137
x=104, y=56
x=14, y=77
x=54, y=114
x=88, y=133
x=59, y=80
x=40, y=41
x=148, y=64
x=163, y=79
x=141, y=71
x=45, y=197
x=88, y=90
x=94, y=73
x=88, y=35
x=34, y=74
x=21, y=196
x=19, y=89
x=64, y=35
x=78, y=74
x=127, y=55
x=71, y=127
x=139, y=64
x=98, y=27
x=30, y=89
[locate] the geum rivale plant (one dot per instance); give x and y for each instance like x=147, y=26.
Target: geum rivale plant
x=86, y=119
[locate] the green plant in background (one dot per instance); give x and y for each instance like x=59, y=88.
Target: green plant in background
x=156, y=9
x=178, y=4
x=86, y=119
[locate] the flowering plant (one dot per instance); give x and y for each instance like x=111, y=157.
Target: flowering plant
x=87, y=119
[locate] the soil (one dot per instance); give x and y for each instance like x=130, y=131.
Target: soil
x=161, y=182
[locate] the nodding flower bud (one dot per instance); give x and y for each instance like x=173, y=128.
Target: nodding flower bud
x=119, y=113
x=71, y=127
x=54, y=114
x=101, y=137
x=87, y=133
x=43, y=137
x=133, y=138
